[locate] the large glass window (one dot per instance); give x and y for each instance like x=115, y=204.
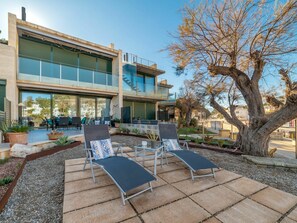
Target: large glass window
x=140, y=82
x=87, y=107
x=103, y=107
x=35, y=106
x=33, y=49
x=149, y=84
x=64, y=105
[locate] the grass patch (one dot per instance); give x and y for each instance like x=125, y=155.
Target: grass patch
x=4, y=161
x=5, y=180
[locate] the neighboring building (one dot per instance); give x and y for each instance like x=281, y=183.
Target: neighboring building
x=62, y=75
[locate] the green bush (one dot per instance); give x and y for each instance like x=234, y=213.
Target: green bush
x=19, y=128
x=5, y=180
x=4, y=160
x=136, y=131
x=182, y=121
x=63, y=141
x=194, y=122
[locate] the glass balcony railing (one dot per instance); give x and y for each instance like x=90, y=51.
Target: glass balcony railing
x=53, y=73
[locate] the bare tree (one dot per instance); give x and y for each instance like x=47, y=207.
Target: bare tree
x=188, y=100
x=235, y=44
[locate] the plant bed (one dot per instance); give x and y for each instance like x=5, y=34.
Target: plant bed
x=52, y=150
x=10, y=171
x=214, y=148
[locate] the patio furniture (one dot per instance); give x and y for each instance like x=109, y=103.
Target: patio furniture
x=63, y=122
x=148, y=152
x=195, y=162
x=76, y=121
x=124, y=172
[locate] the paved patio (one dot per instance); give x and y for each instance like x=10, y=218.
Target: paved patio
x=176, y=198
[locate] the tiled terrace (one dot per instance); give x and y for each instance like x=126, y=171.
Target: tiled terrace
x=176, y=198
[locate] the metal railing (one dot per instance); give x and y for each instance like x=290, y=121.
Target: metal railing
x=38, y=70
x=132, y=58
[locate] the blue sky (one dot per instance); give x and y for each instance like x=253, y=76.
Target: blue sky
x=140, y=27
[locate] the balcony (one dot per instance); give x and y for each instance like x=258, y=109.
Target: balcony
x=36, y=70
x=140, y=90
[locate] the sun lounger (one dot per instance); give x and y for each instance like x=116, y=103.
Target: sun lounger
x=194, y=161
x=125, y=173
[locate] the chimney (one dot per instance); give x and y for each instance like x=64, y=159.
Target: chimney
x=23, y=13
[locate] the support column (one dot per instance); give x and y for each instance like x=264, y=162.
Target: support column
x=117, y=101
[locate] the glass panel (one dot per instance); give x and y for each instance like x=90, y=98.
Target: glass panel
x=29, y=66
x=150, y=111
x=85, y=75
x=103, y=107
x=87, y=62
x=34, y=49
x=36, y=106
x=140, y=82
x=69, y=73
x=65, y=56
x=139, y=110
x=100, y=78
x=64, y=105
x=50, y=70
x=104, y=65
x=149, y=84
x=87, y=107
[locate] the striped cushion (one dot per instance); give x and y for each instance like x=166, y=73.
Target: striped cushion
x=171, y=144
x=102, y=149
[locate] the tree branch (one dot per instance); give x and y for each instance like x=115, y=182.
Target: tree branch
x=229, y=119
x=287, y=113
x=270, y=99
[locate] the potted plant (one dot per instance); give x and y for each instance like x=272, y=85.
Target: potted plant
x=117, y=122
x=54, y=135
x=4, y=129
x=153, y=138
x=18, y=134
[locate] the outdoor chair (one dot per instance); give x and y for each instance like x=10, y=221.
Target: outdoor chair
x=125, y=173
x=76, y=122
x=194, y=162
x=63, y=122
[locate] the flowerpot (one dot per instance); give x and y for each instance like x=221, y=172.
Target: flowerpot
x=17, y=138
x=4, y=153
x=6, y=139
x=116, y=124
x=55, y=136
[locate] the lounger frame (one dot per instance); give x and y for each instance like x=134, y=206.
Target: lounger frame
x=124, y=196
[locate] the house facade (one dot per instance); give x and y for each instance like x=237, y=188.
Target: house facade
x=45, y=73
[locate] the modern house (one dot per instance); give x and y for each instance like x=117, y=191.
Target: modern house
x=45, y=73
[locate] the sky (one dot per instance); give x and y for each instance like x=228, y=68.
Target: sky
x=141, y=27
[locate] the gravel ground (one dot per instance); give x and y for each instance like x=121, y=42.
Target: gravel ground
x=38, y=196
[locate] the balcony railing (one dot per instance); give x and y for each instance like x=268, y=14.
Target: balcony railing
x=37, y=70
x=132, y=58
x=144, y=90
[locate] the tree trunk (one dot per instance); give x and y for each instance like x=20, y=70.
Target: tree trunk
x=188, y=118
x=253, y=143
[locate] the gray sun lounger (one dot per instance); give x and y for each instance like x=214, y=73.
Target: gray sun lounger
x=124, y=172
x=193, y=160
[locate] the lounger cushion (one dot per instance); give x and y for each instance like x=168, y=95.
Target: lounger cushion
x=125, y=172
x=171, y=144
x=194, y=160
x=101, y=149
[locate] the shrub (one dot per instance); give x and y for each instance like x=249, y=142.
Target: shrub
x=19, y=128
x=63, y=141
x=194, y=122
x=208, y=139
x=182, y=121
x=4, y=160
x=5, y=180
x=136, y=131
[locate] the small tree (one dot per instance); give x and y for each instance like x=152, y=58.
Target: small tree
x=188, y=100
x=234, y=45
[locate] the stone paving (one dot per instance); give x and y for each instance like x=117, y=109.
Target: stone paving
x=228, y=197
